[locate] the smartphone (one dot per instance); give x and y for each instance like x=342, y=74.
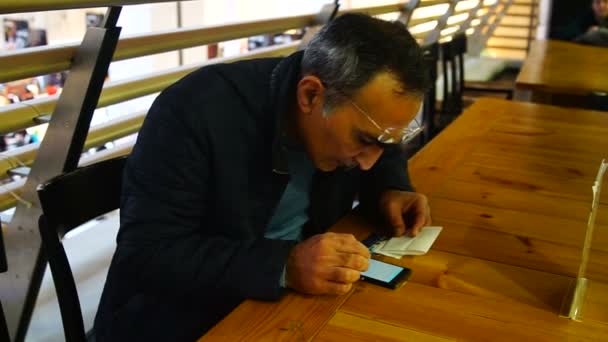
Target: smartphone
x=386, y=275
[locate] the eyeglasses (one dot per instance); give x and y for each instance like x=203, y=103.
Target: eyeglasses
x=392, y=135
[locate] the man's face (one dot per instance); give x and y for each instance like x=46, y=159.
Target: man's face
x=600, y=8
x=346, y=137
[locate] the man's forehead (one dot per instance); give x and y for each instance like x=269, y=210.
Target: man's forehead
x=384, y=87
x=385, y=100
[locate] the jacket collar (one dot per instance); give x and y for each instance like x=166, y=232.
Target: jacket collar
x=283, y=82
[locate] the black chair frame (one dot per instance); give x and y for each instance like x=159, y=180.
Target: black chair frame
x=68, y=201
x=431, y=57
x=452, y=63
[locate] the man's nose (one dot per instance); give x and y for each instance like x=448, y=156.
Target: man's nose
x=368, y=157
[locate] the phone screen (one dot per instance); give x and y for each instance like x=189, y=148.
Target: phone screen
x=381, y=271
x=386, y=275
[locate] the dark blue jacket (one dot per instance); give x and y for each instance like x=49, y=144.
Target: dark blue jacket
x=199, y=188
x=577, y=27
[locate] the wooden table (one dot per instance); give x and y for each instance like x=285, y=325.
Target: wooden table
x=562, y=73
x=511, y=185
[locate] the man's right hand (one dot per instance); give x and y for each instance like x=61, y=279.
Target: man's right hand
x=326, y=264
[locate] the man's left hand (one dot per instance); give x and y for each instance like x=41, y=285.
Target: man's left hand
x=407, y=212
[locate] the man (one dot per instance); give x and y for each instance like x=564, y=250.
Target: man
x=589, y=24
x=240, y=169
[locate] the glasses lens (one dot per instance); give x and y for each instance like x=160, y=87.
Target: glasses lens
x=392, y=136
x=411, y=135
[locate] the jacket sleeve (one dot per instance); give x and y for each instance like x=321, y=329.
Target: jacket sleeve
x=389, y=173
x=577, y=27
x=164, y=240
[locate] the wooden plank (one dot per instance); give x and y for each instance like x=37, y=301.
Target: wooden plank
x=491, y=45
x=578, y=138
x=531, y=113
x=511, y=32
x=511, y=25
x=472, y=130
x=581, y=141
x=596, y=302
x=579, y=173
x=518, y=223
x=466, y=317
x=294, y=317
x=519, y=200
x=507, y=43
x=538, y=254
x=547, y=185
x=430, y=166
x=347, y=327
x=506, y=54
x=568, y=141
x=540, y=152
x=563, y=67
x=459, y=271
x=509, y=35
x=486, y=278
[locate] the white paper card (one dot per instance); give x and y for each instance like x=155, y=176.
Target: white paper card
x=404, y=245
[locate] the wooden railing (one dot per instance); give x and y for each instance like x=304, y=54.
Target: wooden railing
x=516, y=30
x=19, y=6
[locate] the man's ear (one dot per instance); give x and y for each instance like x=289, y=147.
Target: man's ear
x=308, y=93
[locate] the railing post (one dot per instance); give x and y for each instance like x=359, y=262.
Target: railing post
x=327, y=13
x=407, y=11
x=464, y=26
x=480, y=41
x=435, y=34
x=531, y=37
x=59, y=152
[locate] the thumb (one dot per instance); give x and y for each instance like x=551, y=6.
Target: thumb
x=395, y=217
x=419, y=222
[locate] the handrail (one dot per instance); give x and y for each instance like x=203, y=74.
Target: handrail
x=414, y=22
x=20, y=6
x=433, y=3
x=477, y=45
x=375, y=10
x=111, y=130
x=21, y=115
x=27, y=62
x=10, y=193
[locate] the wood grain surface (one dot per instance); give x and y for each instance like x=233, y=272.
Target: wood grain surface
x=564, y=68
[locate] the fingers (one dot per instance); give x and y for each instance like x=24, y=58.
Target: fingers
x=340, y=275
x=349, y=260
x=336, y=288
x=395, y=217
x=339, y=280
x=326, y=264
x=428, y=221
x=347, y=243
x=422, y=215
x=419, y=222
x=355, y=262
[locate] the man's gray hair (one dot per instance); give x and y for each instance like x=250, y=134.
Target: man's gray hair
x=349, y=51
